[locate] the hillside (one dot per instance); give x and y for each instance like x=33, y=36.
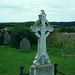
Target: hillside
x=12, y=59
x=32, y=22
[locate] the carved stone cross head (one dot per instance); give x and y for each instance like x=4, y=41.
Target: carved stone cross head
x=42, y=25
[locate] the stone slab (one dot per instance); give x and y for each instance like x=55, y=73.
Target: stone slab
x=25, y=45
x=47, y=69
x=7, y=37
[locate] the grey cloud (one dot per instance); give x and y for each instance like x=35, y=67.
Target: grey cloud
x=12, y=7
x=29, y=9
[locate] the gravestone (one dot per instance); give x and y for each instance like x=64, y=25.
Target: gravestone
x=42, y=64
x=2, y=30
x=7, y=37
x=0, y=34
x=24, y=45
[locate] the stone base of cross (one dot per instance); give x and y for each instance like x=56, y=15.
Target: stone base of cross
x=41, y=59
x=41, y=28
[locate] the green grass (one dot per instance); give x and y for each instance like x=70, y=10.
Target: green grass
x=63, y=52
x=12, y=59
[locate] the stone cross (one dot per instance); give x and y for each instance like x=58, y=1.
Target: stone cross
x=42, y=29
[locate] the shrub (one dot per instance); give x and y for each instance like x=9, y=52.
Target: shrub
x=20, y=32
x=66, y=29
x=27, y=24
x=1, y=26
x=1, y=39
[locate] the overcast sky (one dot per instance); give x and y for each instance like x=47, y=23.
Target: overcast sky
x=28, y=10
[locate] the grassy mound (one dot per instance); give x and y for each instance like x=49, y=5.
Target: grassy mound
x=12, y=59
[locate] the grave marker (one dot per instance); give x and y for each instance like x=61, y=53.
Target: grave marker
x=7, y=37
x=24, y=45
x=42, y=64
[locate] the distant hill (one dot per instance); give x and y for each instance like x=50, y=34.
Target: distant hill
x=72, y=24
x=63, y=23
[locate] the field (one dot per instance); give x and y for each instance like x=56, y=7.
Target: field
x=12, y=59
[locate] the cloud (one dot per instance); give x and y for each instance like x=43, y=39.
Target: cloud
x=28, y=10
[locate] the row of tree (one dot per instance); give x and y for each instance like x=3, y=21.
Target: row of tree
x=58, y=24
x=65, y=24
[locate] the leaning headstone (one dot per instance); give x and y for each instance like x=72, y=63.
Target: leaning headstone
x=7, y=37
x=42, y=64
x=24, y=45
x=2, y=30
x=0, y=34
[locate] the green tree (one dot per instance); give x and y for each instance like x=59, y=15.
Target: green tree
x=20, y=32
x=1, y=26
x=66, y=29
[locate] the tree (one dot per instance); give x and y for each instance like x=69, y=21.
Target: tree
x=20, y=32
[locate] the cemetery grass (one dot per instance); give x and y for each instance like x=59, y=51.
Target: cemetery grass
x=12, y=59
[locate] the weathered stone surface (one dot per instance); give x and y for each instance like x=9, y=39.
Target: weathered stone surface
x=7, y=37
x=0, y=34
x=42, y=64
x=2, y=30
x=24, y=45
x=41, y=59
x=47, y=69
x=41, y=28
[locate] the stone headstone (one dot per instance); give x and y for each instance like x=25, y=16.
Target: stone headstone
x=7, y=37
x=24, y=45
x=0, y=34
x=2, y=30
x=42, y=64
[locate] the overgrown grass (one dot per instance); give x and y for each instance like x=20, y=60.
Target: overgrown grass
x=67, y=53
x=58, y=40
x=12, y=59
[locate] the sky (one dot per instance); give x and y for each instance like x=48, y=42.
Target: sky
x=28, y=10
